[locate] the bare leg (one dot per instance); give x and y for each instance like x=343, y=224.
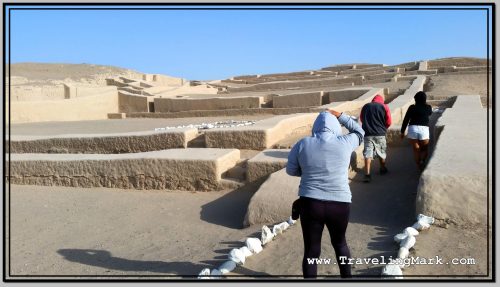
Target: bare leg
x=382, y=162
x=416, y=151
x=368, y=162
x=424, y=152
x=383, y=169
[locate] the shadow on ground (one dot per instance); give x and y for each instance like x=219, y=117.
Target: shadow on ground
x=387, y=203
x=230, y=209
x=104, y=259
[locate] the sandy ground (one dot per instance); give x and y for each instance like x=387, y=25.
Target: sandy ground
x=447, y=85
x=69, y=231
x=53, y=73
x=73, y=231
x=116, y=126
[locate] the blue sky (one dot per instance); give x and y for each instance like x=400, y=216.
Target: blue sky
x=217, y=44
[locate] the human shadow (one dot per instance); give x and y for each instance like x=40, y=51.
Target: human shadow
x=388, y=201
x=230, y=209
x=387, y=204
x=104, y=259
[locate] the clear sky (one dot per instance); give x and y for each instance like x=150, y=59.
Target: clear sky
x=217, y=44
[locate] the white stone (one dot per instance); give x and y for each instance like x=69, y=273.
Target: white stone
x=227, y=266
x=254, y=245
x=216, y=272
x=400, y=237
x=403, y=253
x=267, y=235
x=237, y=256
x=421, y=225
x=284, y=226
x=277, y=230
x=204, y=274
x=427, y=219
x=290, y=221
x=246, y=251
x=411, y=231
x=408, y=242
x=392, y=270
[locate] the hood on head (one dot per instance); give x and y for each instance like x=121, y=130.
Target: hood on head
x=326, y=122
x=420, y=98
x=378, y=99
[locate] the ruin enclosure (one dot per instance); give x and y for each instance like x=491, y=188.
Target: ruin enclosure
x=150, y=160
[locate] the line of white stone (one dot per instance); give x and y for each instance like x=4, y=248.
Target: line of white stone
x=406, y=240
x=252, y=246
x=213, y=125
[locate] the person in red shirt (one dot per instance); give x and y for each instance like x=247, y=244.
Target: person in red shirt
x=376, y=119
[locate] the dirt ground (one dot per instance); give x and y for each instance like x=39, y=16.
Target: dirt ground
x=102, y=232
x=448, y=85
x=51, y=73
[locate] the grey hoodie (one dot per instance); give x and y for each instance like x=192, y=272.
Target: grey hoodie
x=322, y=160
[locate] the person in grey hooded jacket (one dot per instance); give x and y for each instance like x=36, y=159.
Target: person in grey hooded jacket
x=322, y=161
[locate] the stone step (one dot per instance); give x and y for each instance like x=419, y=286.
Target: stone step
x=237, y=172
x=265, y=163
x=231, y=183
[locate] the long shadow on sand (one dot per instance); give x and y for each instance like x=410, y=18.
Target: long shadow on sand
x=229, y=210
x=387, y=203
x=104, y=259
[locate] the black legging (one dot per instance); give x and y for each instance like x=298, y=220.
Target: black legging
x=314, y=214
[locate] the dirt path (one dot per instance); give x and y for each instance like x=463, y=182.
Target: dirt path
x=379, y=210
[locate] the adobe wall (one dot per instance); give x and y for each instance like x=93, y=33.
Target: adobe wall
x=273, y=200
x=422, y=66
x=265, y=163
x=73, y=91
x=458, y=62
x=163, y=105
x=458, y=70
x=283, y=85
x=354, y=104
x=347, y=94
x=264, y=134
x=36, y=93
x=410, y=66
x=365, y=72
x=384, y=76
x=225, y=112
x=399, y=105
x=454, y=183
x=163, y=79
x=175, y=169
x=298, y=100
x=94, y=107
x=104, y=143
x=130, y=103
